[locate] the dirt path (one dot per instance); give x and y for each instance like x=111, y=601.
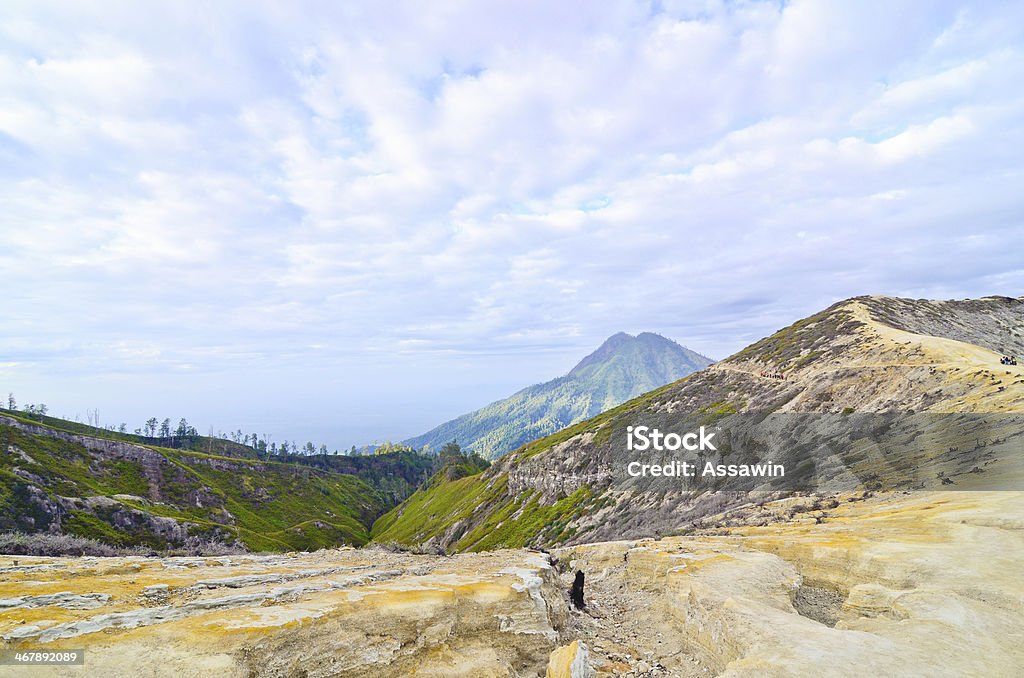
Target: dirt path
x=630, y=631
x=942, y=349
x=940, y=352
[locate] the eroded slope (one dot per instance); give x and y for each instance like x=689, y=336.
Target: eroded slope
x=845, y=359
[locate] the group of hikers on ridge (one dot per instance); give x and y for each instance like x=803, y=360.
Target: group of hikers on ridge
x=1008, y=360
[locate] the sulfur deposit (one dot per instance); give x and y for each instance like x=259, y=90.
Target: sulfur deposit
x=908, y=585
x=330, y=613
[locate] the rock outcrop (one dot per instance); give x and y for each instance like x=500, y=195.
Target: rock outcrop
x=917, y=584
x=330, y=613
x=908, y=584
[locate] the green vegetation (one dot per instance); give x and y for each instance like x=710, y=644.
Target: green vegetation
x=453, y=464
x=454, y=492
x=183, y=437
x=803, y=341
x=429, y=512
x=117, y=493
x=394, y=474
x=511, y=521
x=89, y=526
x=518, y=523
x=714, y=412
x=622, y=368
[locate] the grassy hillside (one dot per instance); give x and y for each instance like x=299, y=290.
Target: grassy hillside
x=123, y=493
x=435, y=512
x=394, y=475
x=623, y=367
x=194, y=442
x=854, y=357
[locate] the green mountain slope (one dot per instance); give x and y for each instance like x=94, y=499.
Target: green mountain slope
x=59, y=480
x=623, y=367
x=862, y=356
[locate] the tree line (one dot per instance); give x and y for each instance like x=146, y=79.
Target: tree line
x=184, y=434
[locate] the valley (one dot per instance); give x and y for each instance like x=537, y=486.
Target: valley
x=904, y=563
x=124, y=494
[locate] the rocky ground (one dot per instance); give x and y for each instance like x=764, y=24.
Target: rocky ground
x=330, y=613
x=625, y=632
x=860, y=583
x=904, y=585
x=895, y=585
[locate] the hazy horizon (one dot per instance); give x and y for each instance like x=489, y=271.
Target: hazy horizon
x=266, y=420
x=353, y=222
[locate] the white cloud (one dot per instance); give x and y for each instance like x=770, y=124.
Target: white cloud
x=213, y=193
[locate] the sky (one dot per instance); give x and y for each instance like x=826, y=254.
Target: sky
x=349, y=222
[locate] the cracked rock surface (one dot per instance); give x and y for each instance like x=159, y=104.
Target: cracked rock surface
x=340, y=612
x=900, y=585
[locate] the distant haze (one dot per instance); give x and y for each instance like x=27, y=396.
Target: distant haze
x=349, y=222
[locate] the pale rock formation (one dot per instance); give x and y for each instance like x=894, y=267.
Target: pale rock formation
x=331, y=613
x=903, y=585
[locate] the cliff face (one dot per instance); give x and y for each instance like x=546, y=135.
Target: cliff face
x=843, y=361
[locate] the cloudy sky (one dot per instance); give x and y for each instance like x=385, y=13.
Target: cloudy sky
x=351, y=221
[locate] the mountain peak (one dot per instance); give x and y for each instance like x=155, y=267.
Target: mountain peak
x=608, y=348
x=622, y=367
x=860, y=356
x=625, y=344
